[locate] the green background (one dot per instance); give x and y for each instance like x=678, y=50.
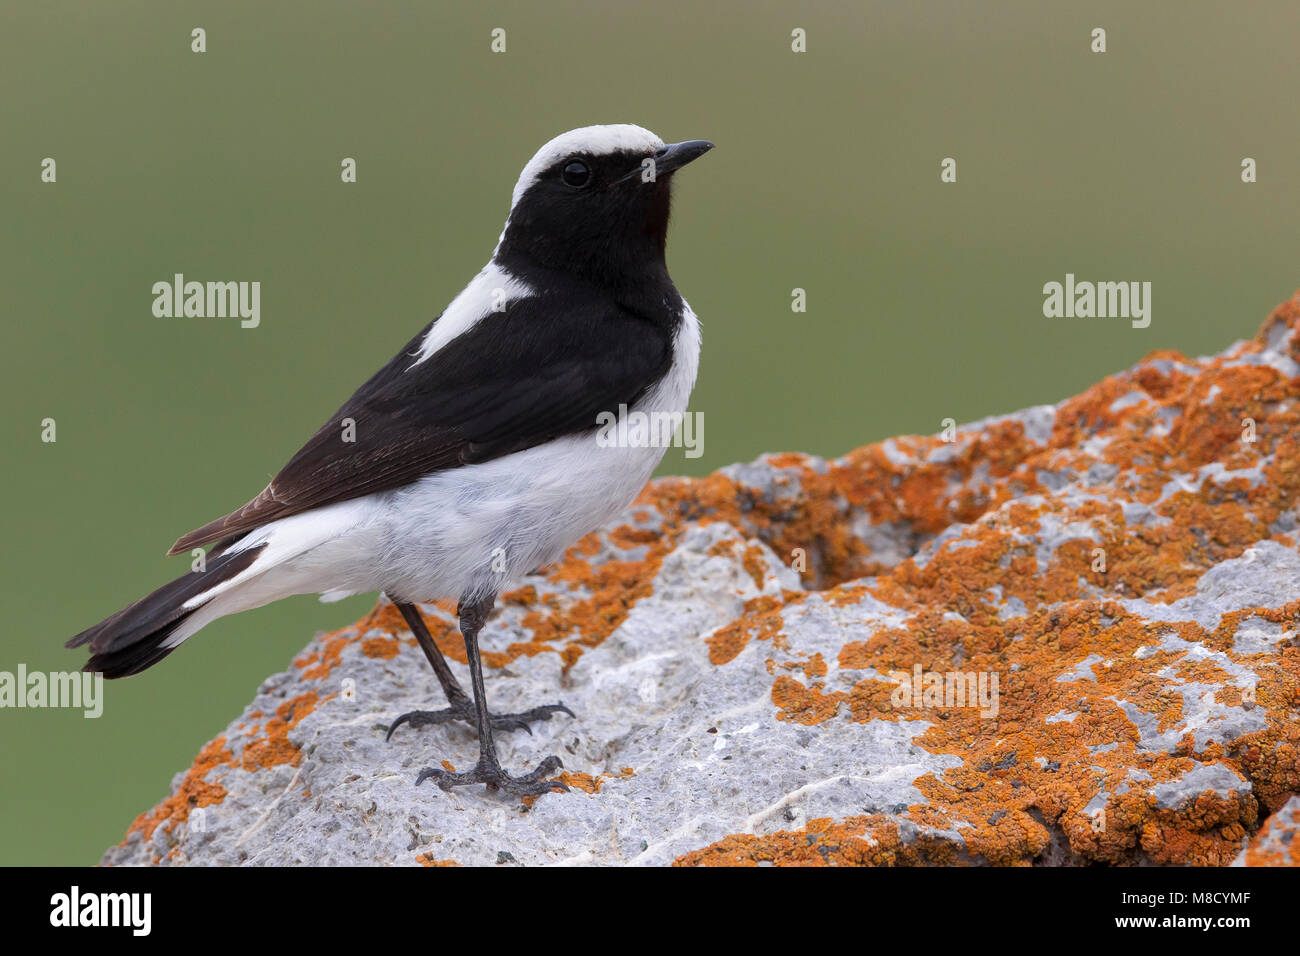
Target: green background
x=924, y=299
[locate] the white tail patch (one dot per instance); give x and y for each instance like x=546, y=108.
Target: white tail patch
x=285, y=540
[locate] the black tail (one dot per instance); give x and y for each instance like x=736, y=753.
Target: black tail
x=132, y=639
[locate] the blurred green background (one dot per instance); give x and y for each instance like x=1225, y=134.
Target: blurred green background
x=924, y=299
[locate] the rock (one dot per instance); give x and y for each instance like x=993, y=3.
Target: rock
x=1068, y=635
x=1275, y=844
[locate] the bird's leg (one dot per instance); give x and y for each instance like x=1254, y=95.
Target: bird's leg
x=473, y=613
x=450, y=686
x=462, y=708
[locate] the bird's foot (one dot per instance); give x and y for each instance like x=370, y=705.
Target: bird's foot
x=489, y=772
x=465, y=711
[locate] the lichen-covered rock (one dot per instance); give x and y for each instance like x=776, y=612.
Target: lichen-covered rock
x=1275, y=844
x=1066, y=635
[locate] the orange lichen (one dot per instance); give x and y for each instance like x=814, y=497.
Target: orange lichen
x=194, y=791
x=324, y=660
x=756, y=564
x=582, y=781
x=723, y=549
x=815, y=666
x=854, y=841
x=384, y=617
x=805, y=704
x=273, y=747
x=384, y=648
x=627, y=537
x=520, y=597
x=613, y=589
x=761, y=620
x=586, y=782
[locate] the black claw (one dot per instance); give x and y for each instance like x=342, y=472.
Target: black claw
x=393, y=726
x=502, y=722
x=425, y=774
x=428, y=718
x=527, y=785
x=397, y=723
x=545, y=711
x=549, y=765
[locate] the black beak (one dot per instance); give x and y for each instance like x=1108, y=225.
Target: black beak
x=673, y=156
x=669, y=158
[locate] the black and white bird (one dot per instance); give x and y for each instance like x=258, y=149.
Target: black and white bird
x=474, y=456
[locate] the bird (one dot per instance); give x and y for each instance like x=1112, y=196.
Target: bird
x=473, y=456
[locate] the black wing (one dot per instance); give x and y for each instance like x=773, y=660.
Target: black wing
x=516, y=379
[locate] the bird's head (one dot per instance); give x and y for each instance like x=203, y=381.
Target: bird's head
x=595, y=202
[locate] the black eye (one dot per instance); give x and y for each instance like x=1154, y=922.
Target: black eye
x=576, y=174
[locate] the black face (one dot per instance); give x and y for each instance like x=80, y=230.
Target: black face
x=602, y=217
